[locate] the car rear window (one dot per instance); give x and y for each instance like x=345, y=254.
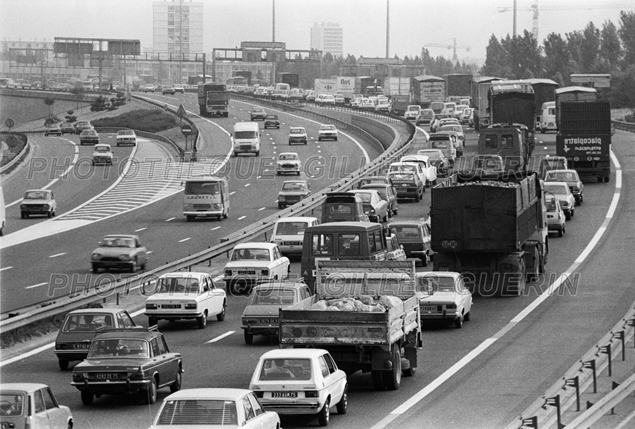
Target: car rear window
x=269, y=296
x=290, y=228
x=87, y=322
x=198, y=412
x=406, y=232
x=286, y=369
x=11, y=404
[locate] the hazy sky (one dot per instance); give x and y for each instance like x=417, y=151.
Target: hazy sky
x=413, y=23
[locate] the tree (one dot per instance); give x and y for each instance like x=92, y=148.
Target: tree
x=49, y=101
x=495, y=60
x=627, y=34
x=589, y=48
x=557, y=60
x=610, y=46
x=79, y=94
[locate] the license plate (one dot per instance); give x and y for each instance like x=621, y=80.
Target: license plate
x=291, y=243
x=429, y=308
x=268, y=320
x=284, y=394
x=247, y=272
x=107, y=376
x=171, y=306
x=82, y=346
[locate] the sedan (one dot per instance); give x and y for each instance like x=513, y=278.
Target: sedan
x=297, y=135
x=38, y=202
x=300, y=381
x=414, y=236
x=258, y=113
x=383, y=105
x=573, y=180
x=126, y=137
x=428, y=168
x=443, y=295
x=564, y=195
x=327, y=131
x=438, y=159
x=67, y=128
x=388, y=193
x=53, y=129
x=555, y=215
x=120, y=252
x=288, y=162
x=213, y=408
x=102, y=154
x=293, y=191
x=367, y=104
x=408, y=184
x=179, y=88
x=272, y=121
x=253, y=263
x=33, y=406
x=81, y=126
x=89, y=137
x=168, y=89
x=374, y=206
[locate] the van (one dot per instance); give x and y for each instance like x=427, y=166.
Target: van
x=246, y=138
x=343, y=207
x=288, y=233
x=206, y=196
x=341, y=241
x=3, y=213
x=548, y=117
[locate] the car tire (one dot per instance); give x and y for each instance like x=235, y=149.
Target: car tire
x=581, y=199
x=392, y=378
x=319, y=139
x=152, y=321
x=325, y=413
x=458, y=322
x=151, y=393
x=280, y=205
x=221, y=316
x=572, y=212
x=202, y=320
x=63, y=363
x=189, y=218
x=87, y=397
x=567, y=216
x=95, y=268
x=176, y=386
x=467, y=316
x=417, y=198
x=342, y=406
x=249, y=338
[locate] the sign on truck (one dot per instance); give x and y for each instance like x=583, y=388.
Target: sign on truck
x=325, y=86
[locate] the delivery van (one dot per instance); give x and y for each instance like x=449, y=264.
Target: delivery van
x=206, y=196
x=246, y=138
x=548, y=117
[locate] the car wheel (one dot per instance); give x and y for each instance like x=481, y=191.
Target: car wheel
x=189, y=218
x=458, y=323
x=176, y=386
x=63, y=363
x=417, y=198
x=567, y=216
x=249, y=338
x=280, y=205
x=48, y=214
x=342, y=406
x=133, y=266
x=151, y=393
x=561, y=232
x=87, y=397
x=581, y=199
x=572, y=212
x=467, y=316
x=392, y=378
x=95, y=268
x=385, y=217
x=325, y=414
x=152, y=321
x=221, y=316
x=23, y=215
x=202, y=321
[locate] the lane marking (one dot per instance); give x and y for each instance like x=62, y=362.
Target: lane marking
x=551, y=290
x=261, y=209
x=5, y=268
x=57, y=254
x=248, y=184
x=232, y=193
x=185, y=239
x=149, y=251
x=37, y=285
x=140, y=229
x=168, y=220
x=242, y=217
x=220, y=337
x=215, y=228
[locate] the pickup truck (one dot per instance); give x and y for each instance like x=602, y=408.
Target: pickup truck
x=380, y=335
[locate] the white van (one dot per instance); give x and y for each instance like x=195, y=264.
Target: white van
x=548, y=117
x=206, y=196
x=3, y=213
x=246, y=138
x=288, y=233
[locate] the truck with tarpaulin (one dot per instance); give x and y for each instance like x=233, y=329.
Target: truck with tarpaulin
x=213, y=99
x=427, y=90
x=479, y=86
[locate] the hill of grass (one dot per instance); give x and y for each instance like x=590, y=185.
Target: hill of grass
x=149, y=120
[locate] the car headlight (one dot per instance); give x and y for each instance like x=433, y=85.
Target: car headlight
x=124, y=257
x=187, y=207
x=23, y=206
x=96, y=256
x=281, y=198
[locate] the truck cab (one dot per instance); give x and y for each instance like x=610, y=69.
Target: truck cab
x=510, y=141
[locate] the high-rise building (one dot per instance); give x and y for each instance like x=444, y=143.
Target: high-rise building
x=178, y=27
x=328, y=37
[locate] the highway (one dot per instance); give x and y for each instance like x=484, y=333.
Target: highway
x=482, y=376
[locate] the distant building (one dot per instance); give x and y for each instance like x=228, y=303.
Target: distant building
x=328, y=37
x=177, y=27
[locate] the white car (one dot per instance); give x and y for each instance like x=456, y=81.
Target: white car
x=186, y=295
x=214, y=408
x=288, y=162
x=254, y=263
x=428, y=168
x=325, y=100
x=102, y=154
x=297, y=135
x=412, y=167
x=412, y=113
x=383, y=105
x=563, y=193
x=300, y=381
x=367, y=104
x=339, y=99
x=288, y=233
x=33, y=406
x=126, y=137
x=38, y=202
x=443, y=295
x=327, y=131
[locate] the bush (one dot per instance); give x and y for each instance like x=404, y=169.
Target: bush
x=151, y=121
x=99, y=104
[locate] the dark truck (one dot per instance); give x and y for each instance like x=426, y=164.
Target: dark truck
x=213, y=99
x=584, y=132
x=493, y=230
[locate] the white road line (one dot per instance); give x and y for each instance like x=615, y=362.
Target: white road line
x=220, y=337
x=185, y=239
x=27, y=354
x=168, y=220
x=5, y=268
x=261, y=209
x=140, y=229
x=517, y=319
x=37, y=285
x=248, y=184
x=232, y=193
x=149, y=251
x=242, y=217
x=57, y=254
x=215, y=228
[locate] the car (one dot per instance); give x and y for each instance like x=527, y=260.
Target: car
x=443, y=295
x=556, y=219
x=53, y=129
x=441, y=120
x=81, y=126
x=133, y=361
x=426, y=117
x=439, y=160
x=413, y=113
x=257, y=113
x=374, y=206
x=32, y=406
x=260, y=316
x=394, y=250
x=458, y=112
x=179, y=88
x=272, y=121
x=288, y=233
x=168, y=89
x=293, y=191
x=465, y=115
x=38, y=202
x=356, y=101
x=119, y=251
x=488, y=165
x=414, y=167
x=408, y=184
x=343, y=207
x=253, y=263
x=296, y=96
x=67, y=128
x=88, y=137
x=102, y=154
x=368, y=180
x=562, y=192
x=383, y=105
x=309, y=96
x=445, y=143
x=126, y=137
x=297, y=135
x=214, y=408
x=414, y=236
x=79, y=328
x=327, y=131
x=573, y=180
x=388, y=193
x=428, y=168
x=340, y=100
x=366, y=104
x=552, y=163
x=300, y=381
x=325, y=100
x=288, y=162
x=186, y=295
x=458, y=129
x=148, y=88
x=455, y=137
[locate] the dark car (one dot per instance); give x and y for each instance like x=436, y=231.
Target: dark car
x=293, y=191
x=89, y=137
x=414, y=237
x=67, y=128
x=79, y=328
x=258, y=113
x=407, y=184
x=272, y=121
x=387, y=193
x=373, y=180
x=119, y=251
x=81, y=126
x=128, y=362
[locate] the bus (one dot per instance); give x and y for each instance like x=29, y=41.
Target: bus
x=206, y=196
x=213, y=99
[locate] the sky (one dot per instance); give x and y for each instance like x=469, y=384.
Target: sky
x=413, y=23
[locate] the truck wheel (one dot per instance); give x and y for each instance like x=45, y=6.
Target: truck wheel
x=249, y=338
x=424, y=260
x=378, y=379
x=202, y=321
x=342, y=406
x=87, y=397
x=607, y=179
x=392, y=378
x=324, y=414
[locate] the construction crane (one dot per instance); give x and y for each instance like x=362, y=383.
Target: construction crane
x=534, y=8
x=453, y=46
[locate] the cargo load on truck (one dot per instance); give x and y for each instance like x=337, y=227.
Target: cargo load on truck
x=365, y=313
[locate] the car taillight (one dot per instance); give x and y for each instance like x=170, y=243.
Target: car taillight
x=190, y=306
x=151, y=306
x=311, y=394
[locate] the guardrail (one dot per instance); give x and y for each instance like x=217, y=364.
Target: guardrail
x=63, y=304
x=625, y=126
x=19, y=157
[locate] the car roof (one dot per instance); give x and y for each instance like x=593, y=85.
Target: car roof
x=562, y=184
x=22, y=387
x=560, y=170
x=97, y=310
x=102, y=145
x=293, y=353
x=208, y=393
x=286, y=284
x=256, y=245
x=416, y=157
x=452, y=274
x=297, y=219
x=38, y=190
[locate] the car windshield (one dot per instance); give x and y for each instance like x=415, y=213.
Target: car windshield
x=272, y=117
x=254, y=254
x=406, y=232
x=561, y=176
x=550, y=203
x=112, y=348
x=556, y=189
x=88, y=132
x=439, y=144
x=185, y=285
x=327, y=127
x=125, y=133
x=246, y=134
x=413, y=108
x=286, y=369
x=294, y=186
x=87, y=322
x=364, y=196
x=290, y=228
x=436, y=283
x=403, y=167
x=202, y=188
x=265, y=295
x=203, y=412
x=36, y=195
x=288, y=157
x=117, y=242
x=11, y=404
x=554, y=164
